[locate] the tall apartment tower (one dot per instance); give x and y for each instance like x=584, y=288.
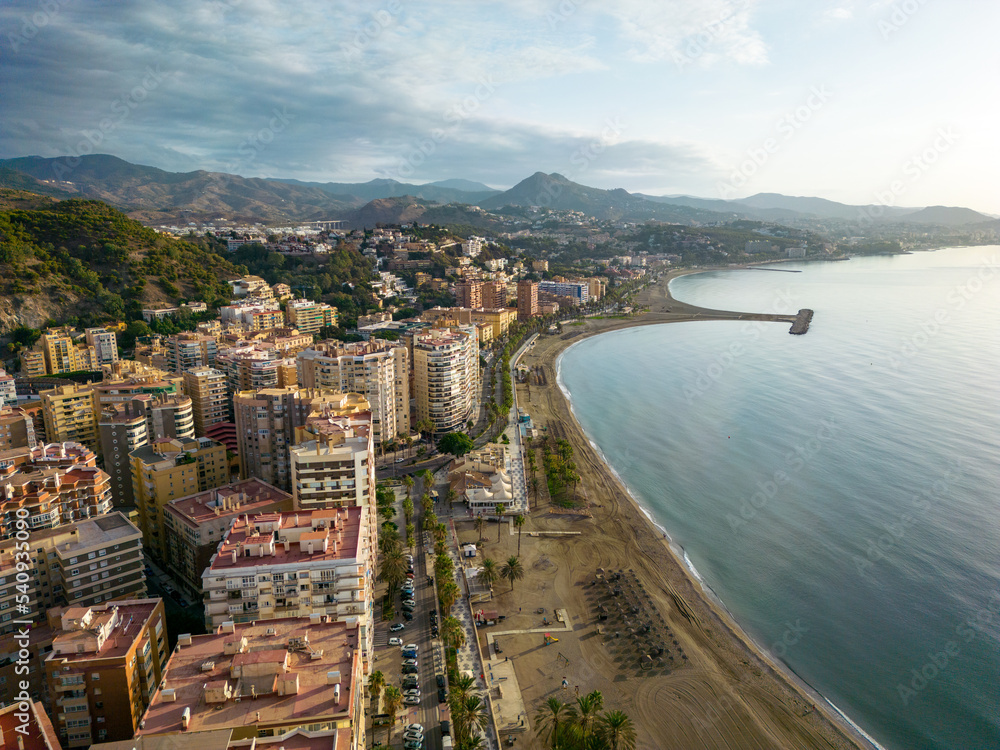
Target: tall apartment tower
x=186, y=350
x=123, y=429
x=446, y=377
x=266, y=423
x=494, y=294
x=206, y=387
x=165, y=470
x=378, y=370
x=527, y=299
x=105, y=344
x=70, y=415
x=469, y=293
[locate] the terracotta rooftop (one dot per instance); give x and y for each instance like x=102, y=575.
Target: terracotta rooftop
x=316, y=652
x=40, y=734
x=294, y=527
x=127, y=625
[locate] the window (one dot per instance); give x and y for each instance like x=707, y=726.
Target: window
x=95, y=676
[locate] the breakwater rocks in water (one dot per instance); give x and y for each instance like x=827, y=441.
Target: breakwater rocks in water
x=802, y=320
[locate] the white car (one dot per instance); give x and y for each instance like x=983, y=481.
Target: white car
x=415, y=692
x=410, y=647
x=416, y=729
x=411, y=700
x=395, y=641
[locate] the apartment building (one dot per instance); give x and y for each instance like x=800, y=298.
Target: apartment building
x=469, y=293
x=446, y=377
x=122, y=428
x=207, y=388
x=8, y=389
x=266, y=421
x=17, y=428
x=494, y=294
x=106, y=662
x=187, y=350
x=578, y=291
x=263, y=681
x=255, y=365
x=527, y=299
x=308, y=316
x=82, y=563
x=377, y=369
x=165, y=470
x=51, y=485
x=299, y=564
x=196, y=524
x=337, y=469
x=253, y=314
x=104, y=343
x=499, y=320
x=59, y=353
x=70, y=415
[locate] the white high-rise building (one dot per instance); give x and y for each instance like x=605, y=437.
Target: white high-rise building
x=446, y=377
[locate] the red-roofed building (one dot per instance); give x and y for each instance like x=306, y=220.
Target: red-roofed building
x=197, y=523
x=26, y=729
x=299, y=563
x=106, y=662
x=291, y=682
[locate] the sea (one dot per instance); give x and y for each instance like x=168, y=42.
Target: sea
x=838, y=492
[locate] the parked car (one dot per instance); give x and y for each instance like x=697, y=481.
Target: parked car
x=410, y=663
x=442, y=695
x=417, y=729
x=440, y=680
x=409, y=603
x=410, y=647
x=410, y=683
x=445, y=728
x=396, y=626
x=395, y=641
x=409, y=670
x=408, y=615
x=411, y=691
x=413, y=744
x=411, y=700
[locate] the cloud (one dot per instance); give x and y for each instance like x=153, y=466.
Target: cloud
x=359, y=87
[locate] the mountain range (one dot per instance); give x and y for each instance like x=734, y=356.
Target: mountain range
x=153, y=195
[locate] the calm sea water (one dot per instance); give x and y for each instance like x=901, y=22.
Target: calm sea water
x=838, y=491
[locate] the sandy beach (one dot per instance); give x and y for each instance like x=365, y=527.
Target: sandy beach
x=710, y=688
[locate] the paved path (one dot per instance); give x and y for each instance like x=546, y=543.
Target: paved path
x=469, y=659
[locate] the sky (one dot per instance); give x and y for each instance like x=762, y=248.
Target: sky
x=856, y=101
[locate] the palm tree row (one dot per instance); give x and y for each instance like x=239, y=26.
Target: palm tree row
x=565, y=726
x=468, y=713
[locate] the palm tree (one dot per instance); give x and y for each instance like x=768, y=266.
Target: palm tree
x=480, y=524
x=408, y=507
x=393, y=570
x=408, y=483
x=426, y=503
x=617, y=731
x=499, y=509
x=512, y=571
x=448, y=594
x=440, y=532
x=376, y=684
x=490, y=573
x=430, y=521
x=393, y=701
x=587, y=709
x=474, y=715
x=550, y=717
x=534, y=489
x=451, y=496
x=519, y=521
x=452, y=632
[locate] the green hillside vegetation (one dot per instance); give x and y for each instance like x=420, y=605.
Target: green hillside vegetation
x=85, y=263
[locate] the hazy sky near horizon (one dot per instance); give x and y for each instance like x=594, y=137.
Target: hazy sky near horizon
x=857, y=101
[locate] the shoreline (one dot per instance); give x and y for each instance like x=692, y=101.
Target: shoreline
x=692, y=597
